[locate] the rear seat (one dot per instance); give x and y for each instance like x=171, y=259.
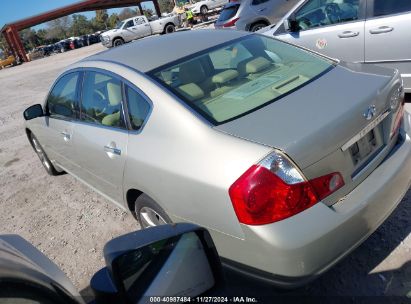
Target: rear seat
x=251, y=68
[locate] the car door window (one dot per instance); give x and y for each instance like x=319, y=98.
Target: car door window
x=391, y=7
x=138, y=108
x=317, y=13
x=129, y=23
x=139, y=21
x=101, y=100
x=62, y=100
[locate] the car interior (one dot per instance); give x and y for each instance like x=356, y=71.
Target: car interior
x=245, y=74
x=326, y=12
x=101, y=102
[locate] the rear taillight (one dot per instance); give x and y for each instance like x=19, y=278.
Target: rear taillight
x=397, y=100
x=274, y=190
x=231, y=22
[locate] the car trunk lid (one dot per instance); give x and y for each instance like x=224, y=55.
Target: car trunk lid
x=321, y=125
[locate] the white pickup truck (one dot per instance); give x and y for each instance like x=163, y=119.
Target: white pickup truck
x=138, y=27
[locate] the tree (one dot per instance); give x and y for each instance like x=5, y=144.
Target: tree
x=100, y=21
x=127, y=13
x=80, y=26
x=166, y=6
x=29, y=38
x=59, y=28
x=113, y=20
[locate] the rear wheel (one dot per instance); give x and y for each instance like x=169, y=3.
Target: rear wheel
x=45, y=161
x=204, y=10
x=118, y=42
x=257, y=26
x=149, y=213
x=170, y=28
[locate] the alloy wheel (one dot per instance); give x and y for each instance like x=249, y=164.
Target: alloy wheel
x=150, y=218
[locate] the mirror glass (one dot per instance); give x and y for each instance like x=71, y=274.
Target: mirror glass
x=33, y=112
x=177, y=266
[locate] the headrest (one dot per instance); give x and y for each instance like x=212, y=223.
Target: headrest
x=114, y=93
x=225, y=76
x=257, y=65
x=191, y=91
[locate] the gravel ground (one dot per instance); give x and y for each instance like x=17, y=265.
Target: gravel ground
x=70, y=223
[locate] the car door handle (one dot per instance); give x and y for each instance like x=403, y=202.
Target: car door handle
x=381, y=30
x=262, y=9
x=66, y=136
x=112, y=150
x=348, y=34
x=133, y=28
x=146, y=24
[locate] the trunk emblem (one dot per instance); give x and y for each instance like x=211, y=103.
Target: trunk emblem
x=370, y=112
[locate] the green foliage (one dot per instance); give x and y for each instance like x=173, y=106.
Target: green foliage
x=80, y=26
x=100, y=21
x=166, y=6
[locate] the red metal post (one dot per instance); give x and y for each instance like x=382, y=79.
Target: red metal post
x=18, y=47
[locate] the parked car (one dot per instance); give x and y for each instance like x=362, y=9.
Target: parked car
x=367, y=28
x=63, y=46
x=75, y=43
x=138, y=27
x=203, y=6
x=246, y=135
x=178, y=261
x=253, y=15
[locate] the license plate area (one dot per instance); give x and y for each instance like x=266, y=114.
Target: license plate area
x=364, y=147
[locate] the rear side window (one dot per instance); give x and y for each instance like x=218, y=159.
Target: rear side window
x=228, y=12
x=138, y=108
x=390, y=7
x=101, y=100
x=62, y=101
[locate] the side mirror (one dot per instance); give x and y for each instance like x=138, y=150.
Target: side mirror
x=291, y=24
x=169, y=260
x=33, y=112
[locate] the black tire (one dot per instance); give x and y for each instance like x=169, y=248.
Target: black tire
x=203, y=10
x=145, y=204
x=118, y=42
x=45, y=161
x=170, y=28
x=257, y=26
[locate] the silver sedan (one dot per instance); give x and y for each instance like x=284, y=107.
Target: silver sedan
x=289, y=158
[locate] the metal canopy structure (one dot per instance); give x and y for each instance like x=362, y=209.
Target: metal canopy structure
x=10, y=31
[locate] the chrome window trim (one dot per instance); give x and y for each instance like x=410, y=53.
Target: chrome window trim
x=126, y=128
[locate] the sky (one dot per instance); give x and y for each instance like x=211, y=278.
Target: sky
x=13, y=10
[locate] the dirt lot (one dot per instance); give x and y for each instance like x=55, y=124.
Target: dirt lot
x=70, y=223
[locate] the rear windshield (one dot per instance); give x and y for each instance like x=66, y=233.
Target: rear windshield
x=228, y=12
x=241, y=76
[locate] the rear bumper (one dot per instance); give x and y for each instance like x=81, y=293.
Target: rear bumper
x=294, y=251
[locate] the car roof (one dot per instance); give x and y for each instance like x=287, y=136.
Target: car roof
x=150, y=53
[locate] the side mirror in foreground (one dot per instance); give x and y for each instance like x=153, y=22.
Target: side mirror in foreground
x=177, y=260
x=33, y=112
